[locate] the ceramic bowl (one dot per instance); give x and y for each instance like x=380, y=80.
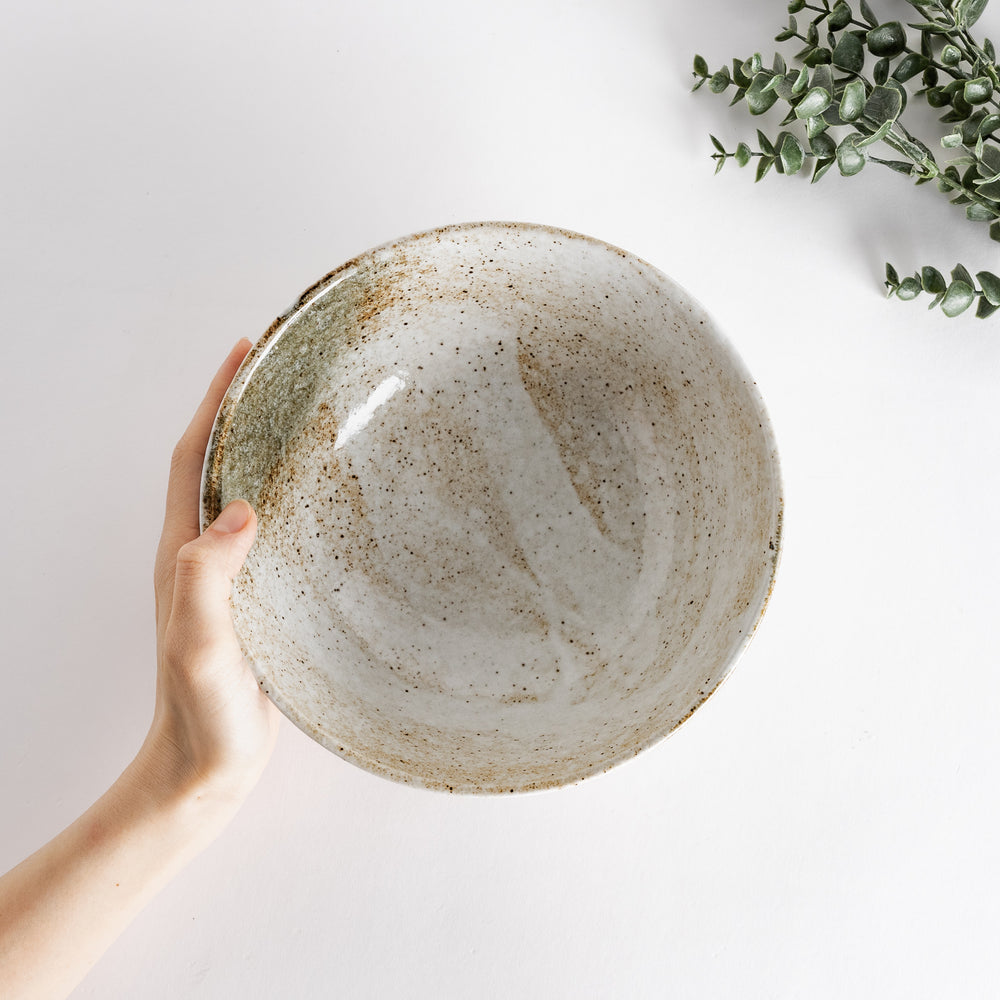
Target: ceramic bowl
x=519, y=507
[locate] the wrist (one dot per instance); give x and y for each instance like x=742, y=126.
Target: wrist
x=160, y=781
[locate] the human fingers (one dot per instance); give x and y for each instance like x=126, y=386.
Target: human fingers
x=200, y=617
x=181, y=517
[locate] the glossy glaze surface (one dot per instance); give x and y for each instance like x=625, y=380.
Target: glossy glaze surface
x=519, y=507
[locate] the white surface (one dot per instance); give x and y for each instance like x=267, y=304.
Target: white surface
x=825, y=826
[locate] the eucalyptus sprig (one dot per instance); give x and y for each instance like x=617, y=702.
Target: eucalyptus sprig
x=955, y=296
x=847, y=98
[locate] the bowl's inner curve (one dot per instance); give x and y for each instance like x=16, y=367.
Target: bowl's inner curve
x=517, y=509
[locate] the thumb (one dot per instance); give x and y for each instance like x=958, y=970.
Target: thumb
x=206, y=568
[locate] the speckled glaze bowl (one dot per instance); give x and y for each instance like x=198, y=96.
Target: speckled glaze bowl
x=519, y=505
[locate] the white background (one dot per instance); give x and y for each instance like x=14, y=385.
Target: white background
x=826, y=825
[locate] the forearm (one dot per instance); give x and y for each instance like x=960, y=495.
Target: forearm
x=213, y=731
x=62, y=907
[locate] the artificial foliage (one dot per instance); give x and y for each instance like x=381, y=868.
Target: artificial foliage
x=846, y=97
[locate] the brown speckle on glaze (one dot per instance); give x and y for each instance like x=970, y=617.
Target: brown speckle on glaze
x=519, y=507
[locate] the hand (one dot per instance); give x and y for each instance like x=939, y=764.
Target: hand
x=213, y=728
x=212, y=733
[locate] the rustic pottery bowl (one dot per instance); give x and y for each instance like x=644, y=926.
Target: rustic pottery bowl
x=519, y=507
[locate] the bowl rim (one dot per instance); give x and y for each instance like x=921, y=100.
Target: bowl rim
x=211, y=491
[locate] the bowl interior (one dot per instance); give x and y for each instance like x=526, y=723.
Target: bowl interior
x=519, y=507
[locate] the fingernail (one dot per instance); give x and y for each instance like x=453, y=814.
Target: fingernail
x=233, y=518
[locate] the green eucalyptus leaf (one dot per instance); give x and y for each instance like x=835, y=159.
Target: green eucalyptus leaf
x=967, y=12
x=990, y=284
x=764, y=164
x=822, y=166
x=955, y=86
x=852, y=102
x=719, y=81
x=783, y=86
x=884, y=105
x=792, y=154
x=720, y=162
x=818, y=57
x=850, y=159
x=815, y=127
x=958, y=298
x=822, y=77
x=887, y=39
x=832, y=116
x=979, y=213
x=867, y=13
x=778, y=64
x=700, y=66
x=990, y=158
x=989, y=50
x=876, y=136
x=881, y=71
x=985, y=308
x=739, y=77
x=927, y=45
x=758, y=100
x=743, y=154
x=951, y=140
x=995, y=230
x=840, y=16
x=849, y=53
x=899, y=166
x=795, y=6
x=909, y=66
x=814, y=103
x=970, y=129
x=801, y=81
x=937, y=97
x=991, y=191
x=960, y=273
x=812, y=34
x=765, y=144
x=961, y=106
x=909, y=288
x=930, y=77
x=753, y=65
x=718, y=145
x=978, y=90
x=932, y=280
x=779, y=140
x=951, y=55
x=891, y=276
x=901, y=91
